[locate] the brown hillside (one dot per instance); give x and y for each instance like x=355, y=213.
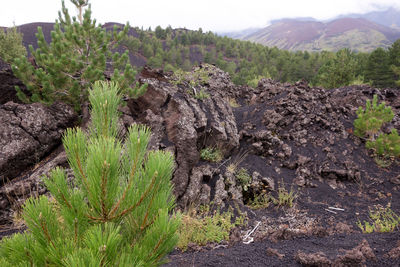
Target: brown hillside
x=29, y=32
x=346, y=24
x=315, y=36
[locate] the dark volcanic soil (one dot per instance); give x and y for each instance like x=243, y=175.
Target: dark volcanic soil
x=332, y=234
x=283, y=253
x=310, y=234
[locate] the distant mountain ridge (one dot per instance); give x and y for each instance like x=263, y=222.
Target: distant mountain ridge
x=389, y=17
x=357, y=34
x=239, y=34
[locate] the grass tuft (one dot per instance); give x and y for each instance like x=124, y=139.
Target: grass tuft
x=382, y=219
x=285, y=198
x=203, y=226
x=211, y=154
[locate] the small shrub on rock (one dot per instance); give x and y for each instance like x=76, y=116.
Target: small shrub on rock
x=202, y=94
x=285, y=198
x=261, y=201
x=383, y=219
x=370, y=120
x=211, y=154
x=244, y=178
x=386, y=144
x=368, y=124
x=203, y=226
x=195, y=80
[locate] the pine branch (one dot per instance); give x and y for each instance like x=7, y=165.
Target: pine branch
x=144, y=195
x=45, y=230
x=131, y=176
x=104, y=191
x=64, y=199
x=76, y=230
x=160, y=241
x=84, y=179
x=142, y=227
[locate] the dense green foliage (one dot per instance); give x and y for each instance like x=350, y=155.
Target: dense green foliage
x=244, y=178
x=11, y=45
x=114, y=213
x=394, y=54
x=247, y=62
x=386, y=145
x=370, y=120
x=211, y=154
x=77, y=56
x=369, y=123
x=338, y=71
x=378, y=69
x=381, y=219
x=202, y=226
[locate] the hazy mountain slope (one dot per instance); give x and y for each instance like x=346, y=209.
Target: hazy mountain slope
x=389, y=17
x=355, y=33
x=239, y=34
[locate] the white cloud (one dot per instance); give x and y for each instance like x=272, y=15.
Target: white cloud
x=217, y=15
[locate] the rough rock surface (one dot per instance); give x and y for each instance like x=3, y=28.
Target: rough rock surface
x=185, y=125
x=28, y=133
x=313, y=259
x=357, y=256
x=7, y=84
x=13, y=194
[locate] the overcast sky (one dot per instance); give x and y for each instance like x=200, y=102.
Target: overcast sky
x=214, y=15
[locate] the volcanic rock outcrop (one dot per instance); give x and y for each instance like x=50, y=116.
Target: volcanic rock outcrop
x=29, y=132
x=185, y=125
x=7, y=84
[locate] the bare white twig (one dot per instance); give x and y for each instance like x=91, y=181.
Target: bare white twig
x=334, y=208
x=220, y=246
x=334, y=212
x=247, y=239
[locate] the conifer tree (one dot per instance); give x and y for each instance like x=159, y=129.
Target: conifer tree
x=370, y=120
x=394, y=53
x=11, y=46
x=386, y=145
x=114, y=213
x=79, y=54
x=378, y=69
x=368, y=124
x=339, y=71
x=396, y=71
